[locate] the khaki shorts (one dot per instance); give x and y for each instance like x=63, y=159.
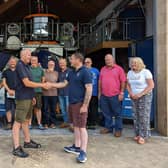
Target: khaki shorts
x=23, y=110
x=38, y=97
x=78, y=119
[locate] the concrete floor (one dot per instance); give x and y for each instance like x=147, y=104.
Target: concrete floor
x=103, y=151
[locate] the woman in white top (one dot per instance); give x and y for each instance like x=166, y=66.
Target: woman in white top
x=140, y=86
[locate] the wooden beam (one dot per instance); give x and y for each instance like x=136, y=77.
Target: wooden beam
x=91, y=50
x=116, y=44
x=109, y=44
x=7, y=5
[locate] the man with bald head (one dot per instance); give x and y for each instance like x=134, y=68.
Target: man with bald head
x=24, y=93
x=111, y=91
x=64, y=92
x=93, y=105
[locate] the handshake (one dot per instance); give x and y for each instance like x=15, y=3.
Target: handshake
x=49, y=85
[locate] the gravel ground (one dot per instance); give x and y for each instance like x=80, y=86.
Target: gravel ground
x=103, y=151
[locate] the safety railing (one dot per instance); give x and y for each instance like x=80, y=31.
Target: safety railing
x=114, y=29
x=79, y=35
x=65, y=33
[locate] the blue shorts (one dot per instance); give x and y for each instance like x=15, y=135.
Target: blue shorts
x=10, y=105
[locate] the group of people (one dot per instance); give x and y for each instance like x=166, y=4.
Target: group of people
x=79, y=90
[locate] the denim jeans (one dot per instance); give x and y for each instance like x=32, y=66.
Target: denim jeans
x=64, y=103
x=49, y=109
x=111, y=107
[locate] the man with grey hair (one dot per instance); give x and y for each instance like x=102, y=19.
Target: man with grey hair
x=24, y=92
x=8, y=82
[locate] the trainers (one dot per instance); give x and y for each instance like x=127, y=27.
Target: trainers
x=72, y=149
x=19, y=152
x=64, y=125
x=71, y=128
x=8, y=126
x=31, y=144
x=46, y=126
x=82, y=158
x=40, y=127
x=53, y=126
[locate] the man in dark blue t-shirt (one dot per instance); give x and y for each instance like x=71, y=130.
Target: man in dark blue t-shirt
x=24, y=92
x=9, y=83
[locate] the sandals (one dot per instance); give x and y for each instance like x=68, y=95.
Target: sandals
x=136, y=138
x=141, y=141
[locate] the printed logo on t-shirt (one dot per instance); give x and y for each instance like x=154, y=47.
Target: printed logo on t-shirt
x=66, y=75
x=78, y=74
x=94, y=78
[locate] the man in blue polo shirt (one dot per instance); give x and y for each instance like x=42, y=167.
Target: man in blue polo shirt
x=24, y=93
x=80, y=92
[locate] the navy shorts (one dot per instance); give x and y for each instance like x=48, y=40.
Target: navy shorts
x=10, y=105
